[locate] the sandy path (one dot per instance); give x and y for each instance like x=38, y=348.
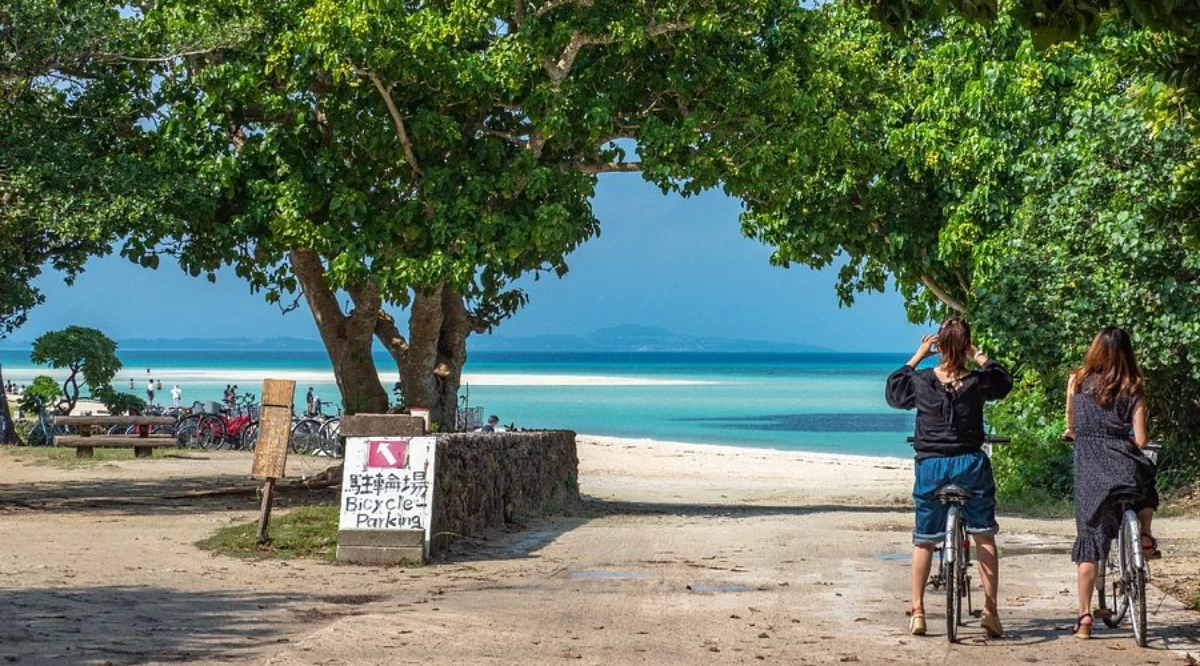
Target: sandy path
x=687, y=554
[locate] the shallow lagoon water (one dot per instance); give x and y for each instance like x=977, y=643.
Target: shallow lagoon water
x=811, y=402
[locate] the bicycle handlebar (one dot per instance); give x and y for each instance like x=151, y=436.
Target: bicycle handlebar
x=988, y=439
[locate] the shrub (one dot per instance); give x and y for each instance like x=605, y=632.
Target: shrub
x=44, y=389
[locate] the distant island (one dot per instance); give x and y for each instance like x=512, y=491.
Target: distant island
x=624, y=338
x=215, y=344
x=632, y=338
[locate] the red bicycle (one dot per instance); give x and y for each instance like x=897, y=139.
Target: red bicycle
x=237, y=430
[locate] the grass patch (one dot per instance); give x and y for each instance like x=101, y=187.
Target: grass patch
x=307, y=532
x=65, y=457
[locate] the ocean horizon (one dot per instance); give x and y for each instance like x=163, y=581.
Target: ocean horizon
x=801, y=401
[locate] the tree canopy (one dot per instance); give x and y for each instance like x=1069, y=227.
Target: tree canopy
x=421, y=155
x=1031, y=190
x=90, y=356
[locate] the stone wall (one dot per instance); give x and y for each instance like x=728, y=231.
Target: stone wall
x=485, y=480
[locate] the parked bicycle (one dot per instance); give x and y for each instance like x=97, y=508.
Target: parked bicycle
x=1126, y=568
x=215, y=429
x=43, y=431
x=955, y=552
x=317, y=434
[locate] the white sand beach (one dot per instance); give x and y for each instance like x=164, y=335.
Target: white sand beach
x=682, y=554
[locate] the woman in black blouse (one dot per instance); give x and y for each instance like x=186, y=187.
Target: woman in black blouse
x=949, y=444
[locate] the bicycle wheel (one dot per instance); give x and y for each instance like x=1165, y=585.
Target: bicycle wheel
x=1110, y=572
x=248, y=438
x=183, y=429
x=951, y=563
x=39, y=436
x=305, y=436
x=209, y=433
x=328, y=438
x=1135, y=588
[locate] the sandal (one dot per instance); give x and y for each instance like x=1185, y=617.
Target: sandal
x=1083, y=630
x=991, y=624
x=1150, y=552
x=916, y=624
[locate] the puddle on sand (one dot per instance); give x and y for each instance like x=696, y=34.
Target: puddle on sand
x=900, y=557
x=717, y=587
x=606, y=575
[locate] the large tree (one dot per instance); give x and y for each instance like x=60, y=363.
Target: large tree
x=70, y=179
x=373, y=155
x=1022, y=188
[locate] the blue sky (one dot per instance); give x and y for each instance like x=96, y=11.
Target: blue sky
x=679, y=264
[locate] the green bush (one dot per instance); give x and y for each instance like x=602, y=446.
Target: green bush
x=118, y=403
x=42, y=388
x=1036, y=468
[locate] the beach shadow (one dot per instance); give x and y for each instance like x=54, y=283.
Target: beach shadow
x=598, y=507
x=178, y=495
x=133, y=625
x=525, y=539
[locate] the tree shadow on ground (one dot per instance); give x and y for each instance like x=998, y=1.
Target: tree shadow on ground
x=133, y=625
x=176, y=495
x=519, y=540
x=1170, y=632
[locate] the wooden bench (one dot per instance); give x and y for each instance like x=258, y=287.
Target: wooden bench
x=143, y=444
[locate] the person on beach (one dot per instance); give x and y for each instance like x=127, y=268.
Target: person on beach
x=176, y=396
x=131, y=383
x=491, y=424
x=1105, y=404
x=150, y=392
x=949, y=440
x=308, y=402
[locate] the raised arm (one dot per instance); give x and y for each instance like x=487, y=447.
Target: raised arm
x=994, y=379
x=899, y=385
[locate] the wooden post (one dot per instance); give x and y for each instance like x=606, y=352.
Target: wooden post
x=270, y=453
x=84, y=451
x=264, y=519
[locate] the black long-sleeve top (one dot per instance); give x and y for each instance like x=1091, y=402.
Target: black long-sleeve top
x=949, y=421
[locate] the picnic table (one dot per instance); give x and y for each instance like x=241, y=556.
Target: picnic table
x=143, y=443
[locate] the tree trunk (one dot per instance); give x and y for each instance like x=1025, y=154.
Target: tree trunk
x=347, y=338
x=432, y=358
x=8, y=431
x=419, y=361
x=452, y=354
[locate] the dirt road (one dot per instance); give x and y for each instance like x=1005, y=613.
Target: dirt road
x=749, y=557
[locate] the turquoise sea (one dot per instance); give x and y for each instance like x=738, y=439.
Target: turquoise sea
x=814, y=402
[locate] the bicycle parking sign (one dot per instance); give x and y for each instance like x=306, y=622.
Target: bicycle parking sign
x=387, y=493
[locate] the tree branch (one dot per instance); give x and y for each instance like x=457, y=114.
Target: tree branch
x=606, y=167
x=167, y=58
x=401, y=133
x=551, y=5
x=558, y=70
x=507, y=136
x=942, y=296
x=389, y=335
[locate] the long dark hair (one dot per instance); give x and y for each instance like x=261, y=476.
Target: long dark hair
x=1110, y=370
x=954, y=337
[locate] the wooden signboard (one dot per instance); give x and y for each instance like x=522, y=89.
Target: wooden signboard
x=274, y=429
x=270, y=453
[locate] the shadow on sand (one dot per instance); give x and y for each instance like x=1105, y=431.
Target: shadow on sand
x=179, y=495
x=132, y=625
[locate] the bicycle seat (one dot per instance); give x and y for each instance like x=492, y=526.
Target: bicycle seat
x=952, y=492
x=1126, y=496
